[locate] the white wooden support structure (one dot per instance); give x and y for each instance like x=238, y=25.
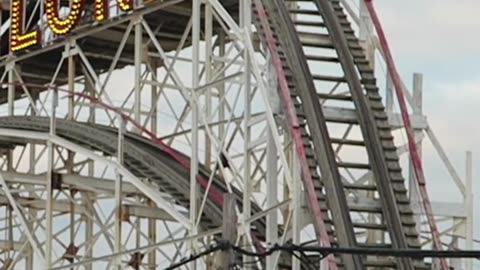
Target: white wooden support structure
x=119, y=194
x=142, y=181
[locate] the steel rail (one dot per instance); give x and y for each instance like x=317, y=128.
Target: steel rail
x=391, y=188
x=213, y=193
x=302, y=86
x=369, y=130
x=415, y=158
x=142, y=157
x=176, y=155
x=294, y=126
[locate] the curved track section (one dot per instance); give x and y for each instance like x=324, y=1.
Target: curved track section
x=327, y=70
x=144, y=159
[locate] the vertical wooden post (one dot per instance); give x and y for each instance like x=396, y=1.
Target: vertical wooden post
x=414, y=191
x=229, y=227
x=469, y=206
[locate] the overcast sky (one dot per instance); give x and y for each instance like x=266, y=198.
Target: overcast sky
x=440, y=38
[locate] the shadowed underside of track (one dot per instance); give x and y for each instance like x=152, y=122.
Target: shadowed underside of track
x=320, y=54
x=99, y=42
x=141, y=157
x=146, y=160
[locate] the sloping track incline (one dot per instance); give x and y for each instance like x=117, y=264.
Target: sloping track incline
x=144, y=159
x=307, y=37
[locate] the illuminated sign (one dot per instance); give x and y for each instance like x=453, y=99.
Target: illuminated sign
x=18, y=39
x=60, y=26
x=125, y=4
x=101, y=10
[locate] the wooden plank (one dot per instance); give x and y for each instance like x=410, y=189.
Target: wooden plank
x=229, y=226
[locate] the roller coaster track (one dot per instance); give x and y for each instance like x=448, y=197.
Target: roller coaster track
x=144, y=159
x=330, y=40
x=306, y=43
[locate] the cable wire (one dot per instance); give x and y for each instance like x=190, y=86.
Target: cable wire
x=196, y=256
x=325, y=251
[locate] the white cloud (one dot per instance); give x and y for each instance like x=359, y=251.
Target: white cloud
x=440, y=28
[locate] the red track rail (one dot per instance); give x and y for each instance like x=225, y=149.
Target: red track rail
x=292, y=120
x=215, y=195
x=415, y=158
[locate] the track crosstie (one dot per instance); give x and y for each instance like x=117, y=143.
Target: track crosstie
x=142, y=157
x=317, y=33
